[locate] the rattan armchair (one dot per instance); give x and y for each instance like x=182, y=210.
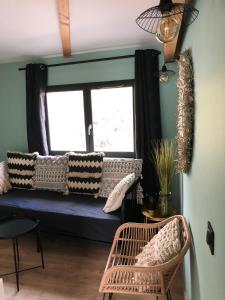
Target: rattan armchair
x=121, y=276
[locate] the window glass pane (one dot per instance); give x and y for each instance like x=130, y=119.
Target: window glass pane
x=66, y=120
x=112, y=113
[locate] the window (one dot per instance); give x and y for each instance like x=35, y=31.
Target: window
x=92, y=117
x=66, y=120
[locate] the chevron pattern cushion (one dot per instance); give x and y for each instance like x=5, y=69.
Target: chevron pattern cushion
x=21, y=169
x=84, y=173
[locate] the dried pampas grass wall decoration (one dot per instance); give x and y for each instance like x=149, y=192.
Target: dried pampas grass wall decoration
x=185, y=112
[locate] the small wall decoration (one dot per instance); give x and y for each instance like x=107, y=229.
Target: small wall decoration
x=185, y=112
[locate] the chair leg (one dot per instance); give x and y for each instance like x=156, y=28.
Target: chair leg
x=103, y=298
x=16, y=262
x=110, y=296
x=39, y=246
x=168, y=295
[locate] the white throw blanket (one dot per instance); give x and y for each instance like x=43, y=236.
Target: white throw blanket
x=4, y=178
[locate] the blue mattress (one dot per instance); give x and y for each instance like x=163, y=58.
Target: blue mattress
x=79, y=215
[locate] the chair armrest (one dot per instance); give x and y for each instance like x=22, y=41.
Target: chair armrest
x=129, y=207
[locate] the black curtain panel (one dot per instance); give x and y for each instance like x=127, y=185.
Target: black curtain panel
x=147, y=110
x=36, y=84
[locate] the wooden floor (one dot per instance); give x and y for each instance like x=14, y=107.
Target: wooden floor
x=73, y=270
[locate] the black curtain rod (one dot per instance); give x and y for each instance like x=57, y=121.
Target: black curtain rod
x=86, y=61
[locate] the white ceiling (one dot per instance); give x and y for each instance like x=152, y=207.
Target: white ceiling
x=30, y=28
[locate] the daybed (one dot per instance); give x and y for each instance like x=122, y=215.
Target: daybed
x=78, y=215
x=74, y=214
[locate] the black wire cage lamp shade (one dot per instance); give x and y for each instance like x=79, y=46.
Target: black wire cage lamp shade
x=164, y=20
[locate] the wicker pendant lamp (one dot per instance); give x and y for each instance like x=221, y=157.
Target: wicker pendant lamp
x=164, y=20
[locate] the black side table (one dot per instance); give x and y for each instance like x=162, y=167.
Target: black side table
x=14, y=227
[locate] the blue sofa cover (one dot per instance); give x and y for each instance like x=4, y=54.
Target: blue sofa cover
x=78, y=215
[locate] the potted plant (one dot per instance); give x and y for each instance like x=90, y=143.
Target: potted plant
x=164, y=159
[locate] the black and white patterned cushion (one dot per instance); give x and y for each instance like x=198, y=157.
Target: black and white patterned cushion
x=114, y=169
x=21, y=169
x=50, y=173
x=84, y=173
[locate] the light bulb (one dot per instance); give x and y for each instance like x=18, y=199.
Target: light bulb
x=163, y=77
x=167, y=29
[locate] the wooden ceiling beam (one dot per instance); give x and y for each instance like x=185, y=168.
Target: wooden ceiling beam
x=64, y=22
x=171, y=49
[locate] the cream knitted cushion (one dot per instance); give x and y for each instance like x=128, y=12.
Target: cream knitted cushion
x=147, y=256
x=167, y=243
x=164, y=246
x=115, y=198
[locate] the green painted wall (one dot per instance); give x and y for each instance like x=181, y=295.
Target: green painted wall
x=204, y=187
x=13, y=94
x=12, y=110
x=168, y=97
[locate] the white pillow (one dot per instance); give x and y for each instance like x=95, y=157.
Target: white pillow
x=164, y=246
x=115, y=198
x=4, y=178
